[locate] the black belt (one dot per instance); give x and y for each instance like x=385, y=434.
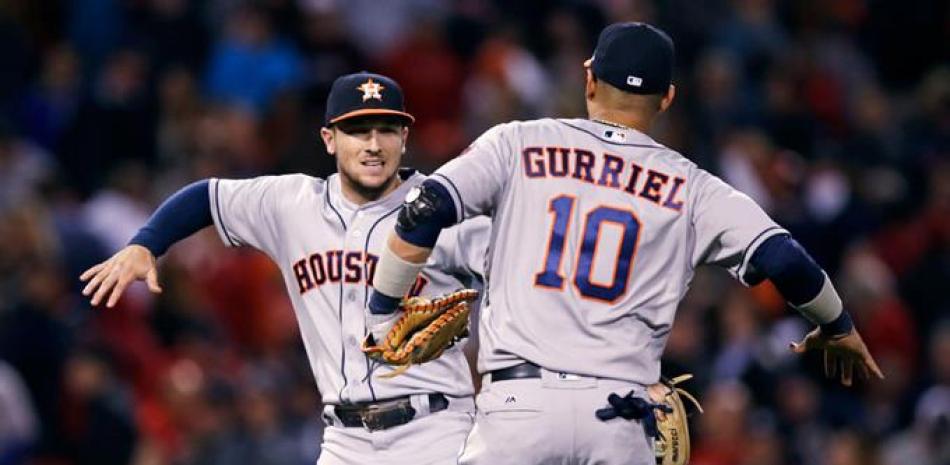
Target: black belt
x=524, y=370
x=385, y=414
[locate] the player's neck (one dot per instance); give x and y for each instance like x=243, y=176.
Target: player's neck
x=360, y=195
x=623, y=119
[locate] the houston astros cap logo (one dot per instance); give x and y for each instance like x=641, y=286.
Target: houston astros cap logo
x=370, y=90
x=362, y=94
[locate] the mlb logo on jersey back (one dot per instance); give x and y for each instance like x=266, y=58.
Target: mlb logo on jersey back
x=615, y=136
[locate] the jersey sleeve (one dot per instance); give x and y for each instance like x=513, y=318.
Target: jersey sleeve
x=245, y=211
x=476, y=178
x=471, y=255
x=728, y=225
x=462, y=249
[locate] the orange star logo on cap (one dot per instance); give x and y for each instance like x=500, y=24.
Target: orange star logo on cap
x=370, y=90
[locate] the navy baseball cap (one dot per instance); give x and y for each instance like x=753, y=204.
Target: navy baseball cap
x=634, y=57
x=363, y=94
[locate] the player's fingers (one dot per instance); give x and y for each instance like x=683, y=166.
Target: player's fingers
x=118, y=290
x=811, y=341
x=657, y=392
x=91, y=286
x=105, y=287
x=869, y=361
x=830, y=362
x=847, y=370
x=91, y=271
x=800, y=347
x=863, y=370
x=827, y=371
x=151, y=278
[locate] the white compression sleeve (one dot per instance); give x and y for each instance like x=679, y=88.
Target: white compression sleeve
x=395, y=276
x=825, y=307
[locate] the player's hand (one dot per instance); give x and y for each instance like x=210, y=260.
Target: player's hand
x=112, y=276
x=657, y=393
x=842, y=354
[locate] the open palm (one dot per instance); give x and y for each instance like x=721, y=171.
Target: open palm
x=842, y=355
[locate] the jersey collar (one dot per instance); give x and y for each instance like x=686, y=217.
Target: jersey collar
x=410, y=177
x=612, y=133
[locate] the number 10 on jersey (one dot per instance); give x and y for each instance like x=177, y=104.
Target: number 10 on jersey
x=562, y=208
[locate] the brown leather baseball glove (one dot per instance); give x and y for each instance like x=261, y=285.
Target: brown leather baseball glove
x=422, y=331
x=672, y=444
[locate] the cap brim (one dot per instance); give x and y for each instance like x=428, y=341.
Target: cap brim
x=371, y=112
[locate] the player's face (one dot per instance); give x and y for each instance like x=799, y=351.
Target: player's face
x=368, y=152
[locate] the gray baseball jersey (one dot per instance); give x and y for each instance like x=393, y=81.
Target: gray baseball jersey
x=327, y=249
x=597, y=230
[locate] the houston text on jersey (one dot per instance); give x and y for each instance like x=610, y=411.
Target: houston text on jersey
x=335, y=265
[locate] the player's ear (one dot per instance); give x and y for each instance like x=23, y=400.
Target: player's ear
x=590, y=84
x=668, y=98
x=327, y=135
x=405, y=138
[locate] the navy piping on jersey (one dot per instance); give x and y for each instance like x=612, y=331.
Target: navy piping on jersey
x=459, y=208
x=649, y=324
x=745, y=253
x=330, y=204
x=369, y=234
x=609, y=141
x=340, y=305
x=217, y=206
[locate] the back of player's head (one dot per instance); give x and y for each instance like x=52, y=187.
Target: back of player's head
x=636, y=58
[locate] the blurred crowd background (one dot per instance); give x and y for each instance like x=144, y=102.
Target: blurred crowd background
x=833, y=115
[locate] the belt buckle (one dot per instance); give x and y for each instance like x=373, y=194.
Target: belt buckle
x=371, y=418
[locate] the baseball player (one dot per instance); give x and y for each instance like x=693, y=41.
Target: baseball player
x=326, y=237
x=597, y=231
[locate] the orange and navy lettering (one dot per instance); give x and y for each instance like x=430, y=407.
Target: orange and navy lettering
x=651, y=188
x=613, y=165
x=332, y=266
x=322, y=267
x=557, y=161
x=607, y=170
x=552, y=277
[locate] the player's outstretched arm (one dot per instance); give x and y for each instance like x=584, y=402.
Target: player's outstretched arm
x=180, y=216
x=807, y=288
x=427, y=211
x=111, y=277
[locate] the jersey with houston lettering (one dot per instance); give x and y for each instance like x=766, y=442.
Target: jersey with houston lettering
x=327, y=249
x=596, y=231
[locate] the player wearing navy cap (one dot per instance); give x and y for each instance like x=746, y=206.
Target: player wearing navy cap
x=326, y=237
x=598, y=229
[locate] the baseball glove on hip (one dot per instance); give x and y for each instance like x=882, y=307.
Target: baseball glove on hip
x=423, y=330
x=672, y=445
x=663, y=416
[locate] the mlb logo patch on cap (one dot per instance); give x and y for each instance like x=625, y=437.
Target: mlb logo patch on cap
x=634, y=57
